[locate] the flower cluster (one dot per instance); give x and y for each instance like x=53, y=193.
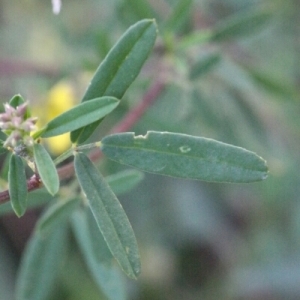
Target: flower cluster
x=17, y=125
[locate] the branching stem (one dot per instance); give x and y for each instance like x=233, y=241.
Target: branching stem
x=131, y=118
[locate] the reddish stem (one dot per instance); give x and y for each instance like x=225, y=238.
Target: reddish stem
x=13, y=67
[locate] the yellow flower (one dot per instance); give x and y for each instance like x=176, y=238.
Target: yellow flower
x=59, y=99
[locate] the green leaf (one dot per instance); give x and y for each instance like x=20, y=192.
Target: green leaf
x=204, y=65
x=43, y=257
x=241, y=25
x=124, y=181
x=119, y=69
x=46, y=169
x=96, y=255
x=185, y=156
x=180, y=13
x=2, y=150
x=35, y=199
x=17, y=185
x=197, y=38
x=57, y=212
x=81, y=115
x=271, y=84
x=109, y=215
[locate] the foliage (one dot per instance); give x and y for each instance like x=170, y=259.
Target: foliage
x=98, y=223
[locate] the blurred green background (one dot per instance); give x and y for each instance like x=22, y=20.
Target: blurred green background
x=197, y=240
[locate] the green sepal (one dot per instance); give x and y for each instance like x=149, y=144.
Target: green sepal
x=18, y=100
x=17, y=185
x=109, y=215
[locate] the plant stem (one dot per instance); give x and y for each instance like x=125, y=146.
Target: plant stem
x=70, y=151
x=13, y=67
x=131, y=118
x=88, y=146
x=63, y=156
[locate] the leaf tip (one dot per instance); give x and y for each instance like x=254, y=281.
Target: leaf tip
x=19, y=209
x=266, y=172
x=53, y=190
x=19, y=213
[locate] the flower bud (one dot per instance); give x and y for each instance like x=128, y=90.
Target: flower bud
x=22, y=109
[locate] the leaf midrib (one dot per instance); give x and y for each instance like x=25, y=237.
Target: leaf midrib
x=187, y=156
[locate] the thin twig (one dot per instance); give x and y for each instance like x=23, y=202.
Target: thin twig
x=131, y=118
x=13, y=67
